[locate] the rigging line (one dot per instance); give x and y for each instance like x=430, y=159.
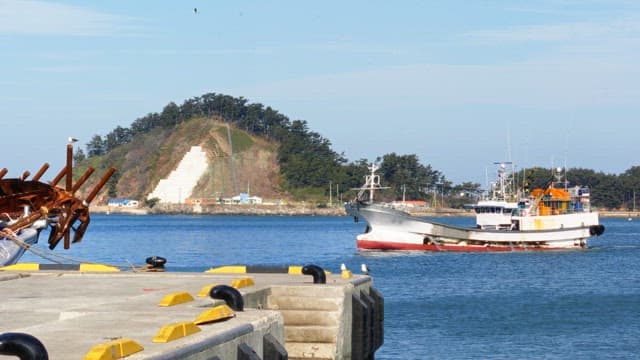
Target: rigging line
x=7, y=233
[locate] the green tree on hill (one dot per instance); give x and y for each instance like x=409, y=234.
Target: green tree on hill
x=407, y=177
x=96, y=147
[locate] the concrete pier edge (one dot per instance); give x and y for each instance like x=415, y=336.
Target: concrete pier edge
x=71, y=311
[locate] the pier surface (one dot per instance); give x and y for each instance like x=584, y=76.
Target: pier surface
x=73, y=313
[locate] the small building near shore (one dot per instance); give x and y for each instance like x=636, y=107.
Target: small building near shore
x=244, y=198
x=120, y=202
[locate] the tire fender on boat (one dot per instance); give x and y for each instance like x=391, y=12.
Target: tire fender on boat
x=24, y=346
x=596, y=230
x=230, y=295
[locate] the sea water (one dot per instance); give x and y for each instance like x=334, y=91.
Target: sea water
x=554, y=305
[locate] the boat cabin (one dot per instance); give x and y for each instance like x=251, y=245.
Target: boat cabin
x=554, y=201
x=494, y=214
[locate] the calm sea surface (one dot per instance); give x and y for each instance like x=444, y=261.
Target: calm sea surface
x=560, y=305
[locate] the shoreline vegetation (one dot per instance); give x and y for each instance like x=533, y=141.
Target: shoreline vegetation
x=297, y=210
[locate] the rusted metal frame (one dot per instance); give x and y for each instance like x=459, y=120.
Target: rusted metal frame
x=40, y=172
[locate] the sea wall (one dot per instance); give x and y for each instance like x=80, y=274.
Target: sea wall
x=171, y=315
x=292, y=210
x=300, y=210
x=288, y=210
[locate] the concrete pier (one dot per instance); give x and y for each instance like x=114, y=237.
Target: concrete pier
x=77, y=314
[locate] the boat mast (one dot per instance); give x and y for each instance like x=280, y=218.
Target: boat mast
x=372, y=182
x=502, y=190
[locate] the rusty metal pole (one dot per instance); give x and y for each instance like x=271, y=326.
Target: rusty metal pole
x=3, y=172
x=69, y=184
x=102, y=182
x=84, y=178
x=68, y=187
x=58, y=177
x=41, y=172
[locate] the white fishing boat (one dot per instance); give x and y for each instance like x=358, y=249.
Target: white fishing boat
x=13, y=247
x=554, y=218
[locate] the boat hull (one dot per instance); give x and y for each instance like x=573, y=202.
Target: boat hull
x=397, y=246
x=10, y=251
x=390, y=229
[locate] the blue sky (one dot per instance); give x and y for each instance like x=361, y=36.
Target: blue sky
x=461, y=84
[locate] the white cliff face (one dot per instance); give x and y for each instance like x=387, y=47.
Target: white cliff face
x=180, y=183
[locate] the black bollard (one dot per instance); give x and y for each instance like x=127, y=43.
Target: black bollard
x=317, y=272
x=156, y=262
x=24, y=346
x=230, y=295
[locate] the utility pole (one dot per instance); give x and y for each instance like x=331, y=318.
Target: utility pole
x=404, y=191
x=330, y=193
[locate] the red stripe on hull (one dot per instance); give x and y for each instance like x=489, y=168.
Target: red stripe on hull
x=387, y=245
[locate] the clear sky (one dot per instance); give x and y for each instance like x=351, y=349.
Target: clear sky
x=461, y=84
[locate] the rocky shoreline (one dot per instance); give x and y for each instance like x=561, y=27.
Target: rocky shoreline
x=295, y=210
x=257, y=210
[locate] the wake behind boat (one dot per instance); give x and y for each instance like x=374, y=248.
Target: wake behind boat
x=553, y=218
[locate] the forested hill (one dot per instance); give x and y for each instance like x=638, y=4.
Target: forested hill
x=279, y=158
x=294, y=161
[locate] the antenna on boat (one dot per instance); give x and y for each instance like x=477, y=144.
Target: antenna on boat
x=559, y=176
x=509, y=159
x=486, y=180
x=566, y=152
x=503, y=187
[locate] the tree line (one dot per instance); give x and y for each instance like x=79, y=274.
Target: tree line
x=610, y=191
x=308, y=164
